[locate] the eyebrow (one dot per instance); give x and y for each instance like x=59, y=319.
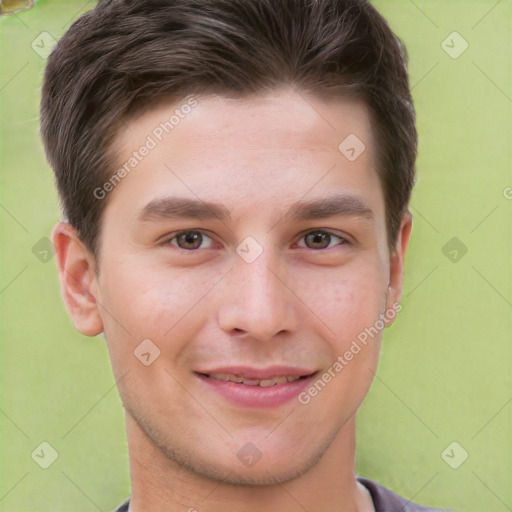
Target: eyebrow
x=183, y=207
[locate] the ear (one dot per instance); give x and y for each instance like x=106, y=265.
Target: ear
x=396, y=268
x=78, y=280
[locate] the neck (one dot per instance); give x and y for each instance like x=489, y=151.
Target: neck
x=159, y=484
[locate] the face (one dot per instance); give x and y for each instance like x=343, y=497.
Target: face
x=241, y=261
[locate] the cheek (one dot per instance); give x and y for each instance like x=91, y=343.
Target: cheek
x=351, y=306
x=346, y=301
x=147, y=326
x=144, y=303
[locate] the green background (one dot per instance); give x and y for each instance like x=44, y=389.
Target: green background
x=446, y=367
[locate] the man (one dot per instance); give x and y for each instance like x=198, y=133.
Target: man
x=235, y=178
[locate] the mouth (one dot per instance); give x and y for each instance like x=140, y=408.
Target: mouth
x=251, y=387
x=248, y=381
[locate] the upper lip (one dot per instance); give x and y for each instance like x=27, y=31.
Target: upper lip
x=259, y=373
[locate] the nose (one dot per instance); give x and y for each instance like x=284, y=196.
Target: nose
x=256, y=300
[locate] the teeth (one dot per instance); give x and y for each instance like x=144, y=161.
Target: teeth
x=267, y=383
x=264, y=383
x=221, y=376
x=250, y=382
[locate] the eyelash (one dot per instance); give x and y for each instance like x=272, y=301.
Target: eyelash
x=168, y=241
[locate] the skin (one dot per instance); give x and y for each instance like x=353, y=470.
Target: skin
x=300, y=303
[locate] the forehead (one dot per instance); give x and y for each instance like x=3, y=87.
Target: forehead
x=276, y=146
x=284, y=119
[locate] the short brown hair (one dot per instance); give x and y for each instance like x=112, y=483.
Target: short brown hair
x=125, y=54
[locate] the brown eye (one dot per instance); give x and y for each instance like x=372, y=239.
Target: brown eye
x=320, y=239
x=189, y=240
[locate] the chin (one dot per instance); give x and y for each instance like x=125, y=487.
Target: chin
x=236, y=463
x=261, y=474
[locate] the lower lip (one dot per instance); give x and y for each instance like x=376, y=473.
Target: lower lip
x=257, y=396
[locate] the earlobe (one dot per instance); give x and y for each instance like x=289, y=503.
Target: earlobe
x=396, y=270
x=78, y=280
